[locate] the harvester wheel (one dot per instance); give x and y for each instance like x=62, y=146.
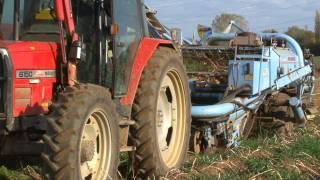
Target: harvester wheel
x=195, y=141
x=162, y=113
x=83, y=135
x=247, y=125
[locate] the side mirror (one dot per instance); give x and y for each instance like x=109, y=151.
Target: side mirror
x=114, y=29
x=77, y=52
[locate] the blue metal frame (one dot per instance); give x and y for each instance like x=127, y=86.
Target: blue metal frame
x=274, y=68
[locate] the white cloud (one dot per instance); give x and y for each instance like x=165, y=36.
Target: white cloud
x=261, y=14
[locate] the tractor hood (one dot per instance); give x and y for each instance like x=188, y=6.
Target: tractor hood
x=27, y=46
x=33, y=71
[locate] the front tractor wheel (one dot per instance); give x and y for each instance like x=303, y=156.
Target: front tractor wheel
x=83, y=135
x=162, y=114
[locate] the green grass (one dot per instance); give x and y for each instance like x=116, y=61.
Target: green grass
x=13, y=168
x=6, y=174
x=256, y=165
x=307, y=144
x=197, y=65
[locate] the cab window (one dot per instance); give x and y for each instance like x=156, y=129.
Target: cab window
x=128, y=16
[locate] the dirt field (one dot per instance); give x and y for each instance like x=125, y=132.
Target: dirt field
x=266, y=156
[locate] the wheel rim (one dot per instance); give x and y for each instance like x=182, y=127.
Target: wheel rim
x=196, y=142
x=171, y=119
x=95, y=147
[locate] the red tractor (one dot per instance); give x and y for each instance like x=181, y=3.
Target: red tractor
x=82, y=81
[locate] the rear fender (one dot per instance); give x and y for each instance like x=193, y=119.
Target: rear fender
x=146, y=49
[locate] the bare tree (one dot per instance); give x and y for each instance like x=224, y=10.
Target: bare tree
x=303, y=36
x=221, y=22
x=317, y=26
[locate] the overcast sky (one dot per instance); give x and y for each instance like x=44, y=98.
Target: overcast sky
x=261, y=14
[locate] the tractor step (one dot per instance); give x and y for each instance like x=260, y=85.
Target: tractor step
x=127, y=149
x=126, y=122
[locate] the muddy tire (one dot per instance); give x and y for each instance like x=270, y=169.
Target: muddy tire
x=162, y=113
x=83, y=135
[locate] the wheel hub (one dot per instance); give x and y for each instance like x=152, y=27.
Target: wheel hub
x=170, y=122
x=164, y=120
x=95, y=147
x=87, y=150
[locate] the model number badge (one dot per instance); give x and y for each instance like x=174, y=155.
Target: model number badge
x=30, y=74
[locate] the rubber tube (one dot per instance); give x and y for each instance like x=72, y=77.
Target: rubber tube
x=212, y=111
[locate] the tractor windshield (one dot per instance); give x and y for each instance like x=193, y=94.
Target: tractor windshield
x=36, y=21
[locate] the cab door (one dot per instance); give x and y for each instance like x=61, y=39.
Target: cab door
x=128, y=15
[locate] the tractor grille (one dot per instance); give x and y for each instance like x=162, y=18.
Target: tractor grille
x=5, y=85
x=2, y=87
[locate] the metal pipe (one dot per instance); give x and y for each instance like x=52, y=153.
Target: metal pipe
x=294, y=45
x=241, y=112
x=167, y=36
x=16, y=20
x=99, y=31
x=62, y=43
x=295, y=104
x=211, y=111
x=221, y=37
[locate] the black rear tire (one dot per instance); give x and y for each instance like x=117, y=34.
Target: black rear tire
x=152, y=159
x=79, y=127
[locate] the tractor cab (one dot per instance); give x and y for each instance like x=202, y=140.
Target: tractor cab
x=28, y=21
x=112, y=41
x=105, y=36
x=78, y=76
